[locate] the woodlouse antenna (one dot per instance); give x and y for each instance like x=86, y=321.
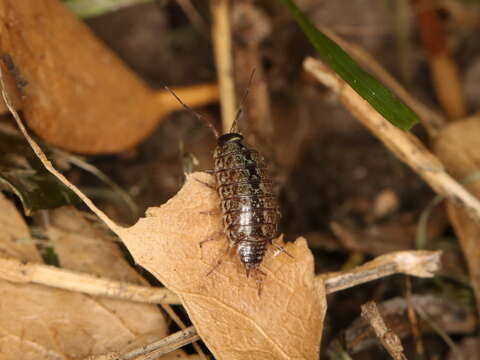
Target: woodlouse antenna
x=234, y=127
x=198, y=115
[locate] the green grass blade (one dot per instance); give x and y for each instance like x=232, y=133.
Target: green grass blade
x=377, y=95
x=91, y=8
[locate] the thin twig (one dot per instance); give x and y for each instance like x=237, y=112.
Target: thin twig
x=222, y=46
x=448, y=315
x=84, y=165
x=390, y=341
x=155, y=349
x=416, y=263
x=448, y=340
x=177, y=320
x=412, y=317
x=167, y=344
x=19, y=272
x=250, y=27
x=403, y=144
x=193, y=15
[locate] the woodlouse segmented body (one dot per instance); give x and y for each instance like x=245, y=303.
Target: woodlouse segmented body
x=248, y=202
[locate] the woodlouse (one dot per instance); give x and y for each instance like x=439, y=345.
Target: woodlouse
x=248, y=201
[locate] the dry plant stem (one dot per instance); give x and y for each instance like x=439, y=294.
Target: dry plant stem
x=154, y=350
x=222, y=46
x=166, y=345
x=440, y=331
x=412, y=316
x=431, y=120
x=251, y=27
x=451, y=317
x=390, y=341
x=403, y=144
x=168, y=309
x=442, y=66
x=385, y=265
x=193, y=15
x=402, y=28
x=19, y=272
x=416, y=263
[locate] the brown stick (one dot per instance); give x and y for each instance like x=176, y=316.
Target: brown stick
x=416, y=263
x=222, y=46
x=156, y=349
x=390, y=341
x=250, y=27
x=412, y=317
x=16, y=271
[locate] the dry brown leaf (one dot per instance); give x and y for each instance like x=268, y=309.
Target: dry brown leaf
x=38, y=322
x=458, y=145
x=82, y=248
x=285, y=322
x=80, y=96
x=13, y=229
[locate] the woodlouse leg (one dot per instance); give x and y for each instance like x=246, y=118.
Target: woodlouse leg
x=282, y=250
x=211, y=186
x=219, y=261
x=213, y=237
x=211, y=212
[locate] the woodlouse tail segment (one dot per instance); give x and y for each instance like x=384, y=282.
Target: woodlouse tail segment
x=250, y=268
x=259, y=275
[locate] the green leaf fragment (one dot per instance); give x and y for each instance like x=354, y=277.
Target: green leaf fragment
x=36, y=190
x=22, y=173
x=91, y=8
x=376, y=94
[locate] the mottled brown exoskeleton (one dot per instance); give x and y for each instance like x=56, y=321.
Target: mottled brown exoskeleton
x=247, y=199
x=248, y=202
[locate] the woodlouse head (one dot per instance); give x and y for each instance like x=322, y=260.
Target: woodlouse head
x=229, y=137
